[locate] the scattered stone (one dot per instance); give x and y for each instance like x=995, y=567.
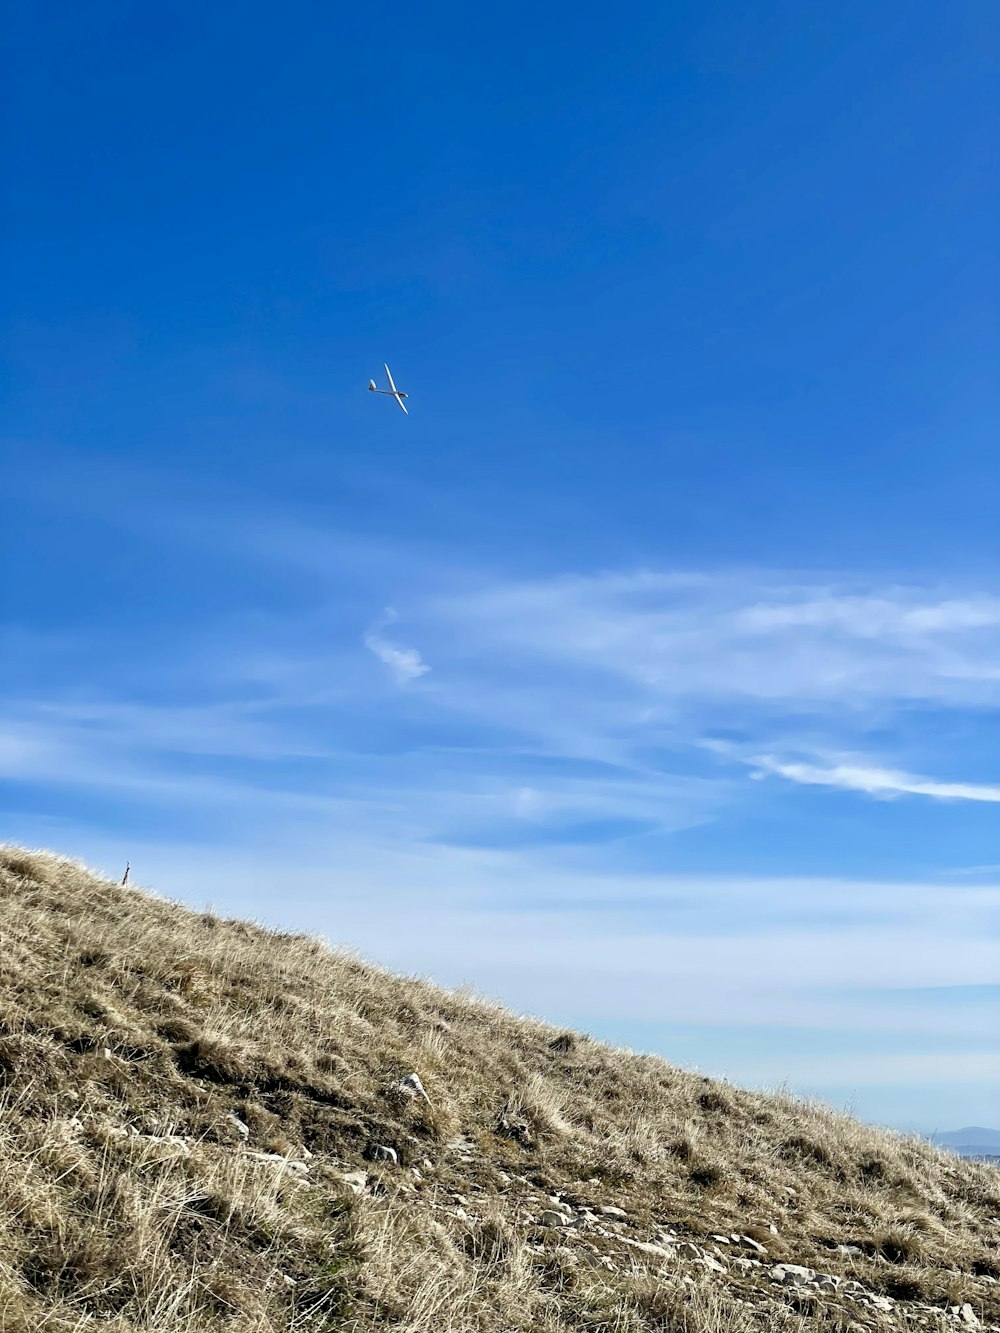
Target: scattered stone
x=241, y=1129
x=883, y=1303
x=411, y=1084
x=610, y=1211
x=647, y=1247
x=752, y=1244
x=793, y=1275
x=968, y=1315
x=689, y=1250
x=826, y=1280
x=723, y=1240
x=356, y=1181
x=288, y=1164
x=711, y=1264
x=848, y=1249
x=551, y=1218
x=772, y=1228
x=380, y=1153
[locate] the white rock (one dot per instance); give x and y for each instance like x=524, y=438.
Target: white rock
x=752, y=1244
x=647, y=1247
x=968, y=1315
x=723, y=1240
x=241, y=1129
x=772, y=1228
x=689, y=1250
x=383, y=1154
x=551, y=1218
x=411, y=1083
x=356, y=1181
x=711, y=1264
x=882, y=1303
x=794, y=1275
x=610, y=1211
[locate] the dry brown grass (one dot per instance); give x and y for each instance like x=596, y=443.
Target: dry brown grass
x=132, y=1030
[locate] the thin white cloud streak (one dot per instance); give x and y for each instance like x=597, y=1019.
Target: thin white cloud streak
x=406, y=664
x=881, y=782
x=734, y=636
x=450, y=796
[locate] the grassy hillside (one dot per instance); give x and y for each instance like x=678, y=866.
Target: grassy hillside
x=207, y=1125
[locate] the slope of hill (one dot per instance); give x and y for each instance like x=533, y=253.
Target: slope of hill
x=956, y=1138
x=206, y=1125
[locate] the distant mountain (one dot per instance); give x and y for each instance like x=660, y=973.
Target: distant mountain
x=971, y=1134
x=973, y=1141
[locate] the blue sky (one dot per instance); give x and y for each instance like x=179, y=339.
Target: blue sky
x=647, y=675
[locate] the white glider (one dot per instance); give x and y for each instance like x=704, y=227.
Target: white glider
x=391, y=392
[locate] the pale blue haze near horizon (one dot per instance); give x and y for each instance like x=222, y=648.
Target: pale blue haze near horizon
x=647, y=676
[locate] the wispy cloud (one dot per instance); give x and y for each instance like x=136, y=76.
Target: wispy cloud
x=406, y=664
x=882, y=782
x=737, y=635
